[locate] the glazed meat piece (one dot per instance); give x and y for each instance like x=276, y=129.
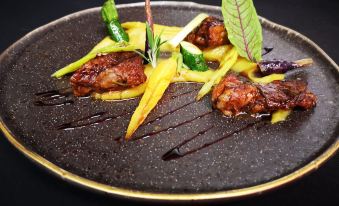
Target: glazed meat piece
x=234, y=96
x=111, y=72
x=210, y=33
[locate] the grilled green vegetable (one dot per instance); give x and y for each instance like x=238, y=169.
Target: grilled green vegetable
x=193, y=57
x=110, y=16
x=116, y=32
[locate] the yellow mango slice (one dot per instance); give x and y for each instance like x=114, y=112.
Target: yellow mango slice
x=186, y=75
x=280, y=115
x=135, y=31
x=243, y=64
x=156, y=86
x=263, y=80
x=217, y=53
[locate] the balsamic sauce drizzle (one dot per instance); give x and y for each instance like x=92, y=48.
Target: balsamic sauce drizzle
x=174, y=110
x=89, y=120
x=169, y=113
x=171, y=127
x=41, y=103
x=267, y=50
x=175, y=153
x=54, y=98
x=184, y=93
x=50, y=98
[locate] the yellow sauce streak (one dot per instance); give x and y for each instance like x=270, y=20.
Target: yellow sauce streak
x=263, y=80
x=136, y=31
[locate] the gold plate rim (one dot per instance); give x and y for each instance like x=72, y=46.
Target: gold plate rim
x=228, y=194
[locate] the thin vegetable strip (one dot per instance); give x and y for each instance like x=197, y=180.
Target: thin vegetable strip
x=187, y=29
x=229, y=59
x=105, y=46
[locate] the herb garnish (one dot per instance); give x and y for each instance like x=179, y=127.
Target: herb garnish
x=154, y=44
x=243, y=28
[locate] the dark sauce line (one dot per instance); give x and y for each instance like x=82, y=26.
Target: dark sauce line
x=175, y=153
x=169, y=113
x=49, y=93
x=183, y=94
x=47, y=98
x=93, y=119
x=54, y=97
x=171, y=154
x=171, y=127
x=99, y=114
x=40, y=103
x=72, y=124
x=174, y=110
x=267, y=50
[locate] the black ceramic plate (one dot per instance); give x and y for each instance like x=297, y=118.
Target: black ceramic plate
x=247, y=156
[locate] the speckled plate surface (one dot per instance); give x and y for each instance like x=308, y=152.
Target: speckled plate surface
x=256, y=158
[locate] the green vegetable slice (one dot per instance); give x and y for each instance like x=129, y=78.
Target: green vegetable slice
x=116, y=31
x=193, y=57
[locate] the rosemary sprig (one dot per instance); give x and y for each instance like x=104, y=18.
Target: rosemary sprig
x=154, y=44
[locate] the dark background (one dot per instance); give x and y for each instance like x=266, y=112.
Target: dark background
x=23, y=183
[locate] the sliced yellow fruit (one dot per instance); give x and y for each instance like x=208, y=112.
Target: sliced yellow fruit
x=243, y=64
x=156, y=86
x=280, y=115
x=263, y=80
x=136, y=29
x=217, y=53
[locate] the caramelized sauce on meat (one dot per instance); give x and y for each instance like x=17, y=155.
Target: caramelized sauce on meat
x=234, y=96
x=211, y=33
x=111, y=72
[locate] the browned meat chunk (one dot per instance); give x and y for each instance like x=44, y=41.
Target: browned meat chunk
x=210, y=33
x=111, y=72
x=233, y=96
